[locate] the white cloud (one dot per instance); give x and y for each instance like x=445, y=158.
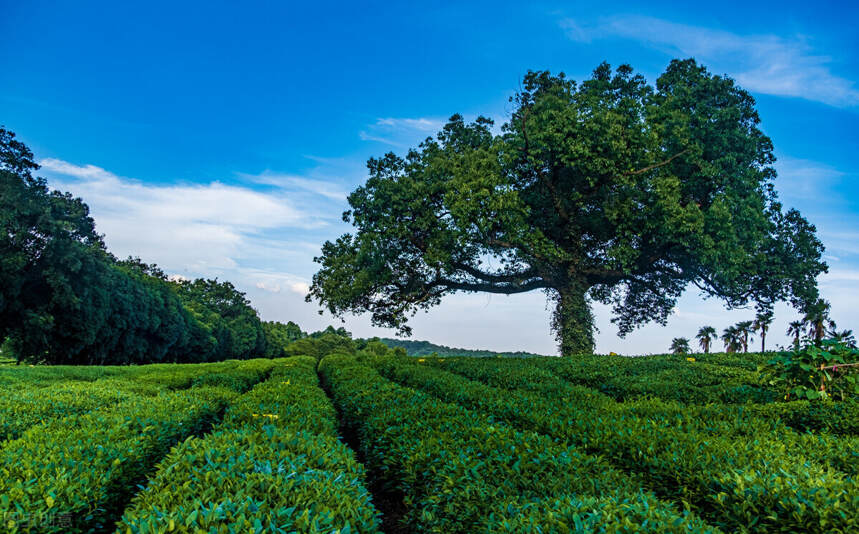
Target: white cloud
x=195, y=229
x=324, y=188
x=401, y=132
x=805, y=179
x=767, y=63
x=421, y=124
x=275, y=281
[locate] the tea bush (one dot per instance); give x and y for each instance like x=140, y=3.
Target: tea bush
x=274, y=464
x=458, y=469
x=749, y=483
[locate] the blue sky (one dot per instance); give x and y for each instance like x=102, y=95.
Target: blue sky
x=219, y=139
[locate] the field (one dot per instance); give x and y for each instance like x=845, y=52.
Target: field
x=379, y=442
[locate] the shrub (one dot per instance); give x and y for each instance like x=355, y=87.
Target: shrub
x=750, y=483
x=274, y=464
x=457, y=468
x=81, y=468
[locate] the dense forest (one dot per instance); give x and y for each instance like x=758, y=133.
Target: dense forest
x=65, y=299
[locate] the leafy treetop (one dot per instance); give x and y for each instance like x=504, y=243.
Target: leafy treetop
x=611, y=191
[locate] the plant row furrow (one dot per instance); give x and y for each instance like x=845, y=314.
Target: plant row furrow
x=739, y=484
x=76, y=473
x=460, y=471
x=274, y=464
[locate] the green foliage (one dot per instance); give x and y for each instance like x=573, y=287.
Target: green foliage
x=273, y=465
x=729, y=471
x=611, y=190
x=227, y=314
x=624, y=513
x=813, y=372
x=457, y=469
x=239, y=378
x=278, y=336
x=65, y=300
x=27, y=407
x=324, y=344
x=83, y=467
x=330, y=330
x=680, y=345
x=705, y=337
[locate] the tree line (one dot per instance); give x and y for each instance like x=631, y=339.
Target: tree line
x=813, y=327
x=65, y=299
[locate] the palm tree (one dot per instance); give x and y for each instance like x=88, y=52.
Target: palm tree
x=744, y=329
x=762, y=322
x=795, y=329
x=816, y=317
x=731, y=339
x=705, y=337
x=842, y=336
x=679, y=345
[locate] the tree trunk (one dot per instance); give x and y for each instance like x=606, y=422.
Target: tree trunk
x=763, y=341
x=573, y=321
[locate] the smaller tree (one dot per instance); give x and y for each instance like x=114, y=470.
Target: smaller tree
x=680, y=345
x=795, y=329
x=762, y=324
x=841, y=336
x=816, y=318
x=705, y=337
x=731, y=337
x=745, y=329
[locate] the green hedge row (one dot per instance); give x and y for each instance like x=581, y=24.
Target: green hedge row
x=841, y=418
x=459, y=471
x=618, y=514
x=667, y=377
x=777, y=421
x=273, y=465
x=75, y=474
x=738, y=483
x=23, y=408
x=241, y=377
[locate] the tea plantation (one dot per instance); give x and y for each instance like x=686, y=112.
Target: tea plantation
x=374, y=441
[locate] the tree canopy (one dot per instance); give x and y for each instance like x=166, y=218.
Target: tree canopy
x=612, y=190
x=65, y=299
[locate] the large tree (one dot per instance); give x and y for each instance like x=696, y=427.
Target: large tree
x=610, y=191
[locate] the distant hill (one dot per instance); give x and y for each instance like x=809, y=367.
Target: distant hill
x=425, y=348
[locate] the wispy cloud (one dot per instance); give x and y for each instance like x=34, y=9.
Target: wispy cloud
x=401, y=132
x=765, y=63
x=806, y=179
x=275, y=282
x=327, y=189
x=199, y=229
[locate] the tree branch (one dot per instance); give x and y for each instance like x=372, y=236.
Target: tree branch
x=656, y=165
x=489, y=277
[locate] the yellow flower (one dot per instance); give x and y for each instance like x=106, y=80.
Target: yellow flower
x=690, y=359
x=421, y=360
x=49, y=500
x=286, y=383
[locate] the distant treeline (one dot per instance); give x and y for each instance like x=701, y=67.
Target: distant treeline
x=425, y=348
x=64, y=299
